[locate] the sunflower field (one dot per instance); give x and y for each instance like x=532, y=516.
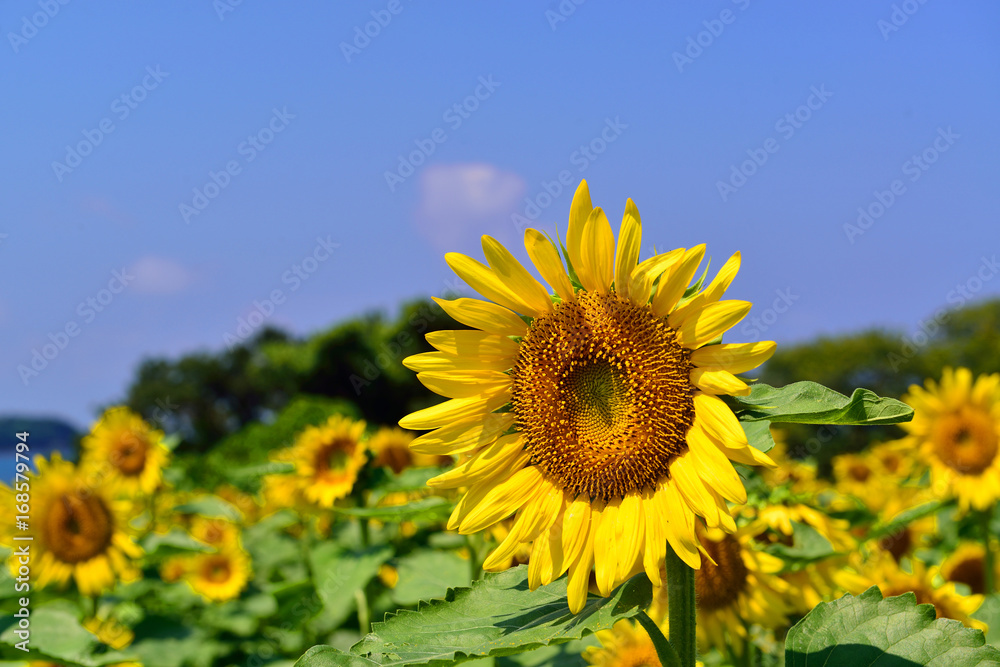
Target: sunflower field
x=606, y=482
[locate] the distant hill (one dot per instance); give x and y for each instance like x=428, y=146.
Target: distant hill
x=45, y=435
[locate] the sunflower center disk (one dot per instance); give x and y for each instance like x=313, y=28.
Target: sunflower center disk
x=601, y=391
x=217, y=569
x=970, y=572
x=129, y=455
x=967, y=441
x=720, y=585
x=77, y=527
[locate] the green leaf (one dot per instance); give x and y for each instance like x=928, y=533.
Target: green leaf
x=811, y=403
x=339, y=572
x=420, y=510
x=384, y=482
x=989, y=613
x=327, y=656
x=808, y=546
x=759, y=434
x=159, y=545
x=894, y=632
x=427, y=574
x=496, y=616
x=164, y=642
x=212, y=507
x=259, y=470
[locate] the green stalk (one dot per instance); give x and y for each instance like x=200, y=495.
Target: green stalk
x=664, y=650
x=989, y=567
x=681, y=609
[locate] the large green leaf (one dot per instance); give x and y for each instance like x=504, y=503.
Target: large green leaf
x=497, y=616
x=811, y=403
x=894, y=632
x=327, y=656
x=427, y=574
x=758, y=434
x=424, y=509
x=172, y=543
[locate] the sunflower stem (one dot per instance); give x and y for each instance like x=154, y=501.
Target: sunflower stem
x=364, y=620
x=664, y=649
x=989, y=568
x=681, y=601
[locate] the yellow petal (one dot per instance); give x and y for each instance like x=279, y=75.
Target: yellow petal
x=733, y=357
x=711, y=322
x=503, y=500
x=506, y=453
x=716, y=418
x=656, y=536
x=680, y=529
x=673, y=283
x=630, y=532
x=545, y=256
x=606, y=551
x=629, y=241
x=598, y=249
x=465, y=435
x=516, y=277
x=685, y=474
x=644, y=275
x=579, y=570
x=575, y=526
x=484, y=315
x=463, y=384
x=453, y=410
x=526, y=527
x=439, y=361
x=718, y=382
x=482, y=279
x=714, y=468
x=710, y=294
x=472, y=343
x=540, y=566
x=579, y=212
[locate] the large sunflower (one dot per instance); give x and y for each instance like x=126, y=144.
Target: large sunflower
x=124, y=450
x=956, y=425
x=327, y=459
x=79, y=530
x=597, y=416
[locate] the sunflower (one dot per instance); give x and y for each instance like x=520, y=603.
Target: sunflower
x=79, y=530
x=917, y=534
x=109, y=631
x=860, y=476
x=327, y=459
x=123, y=449
x=967, y=565
x=817, y=581
x=625, y=644
x=738, y=586
x=927, y=585
x=598, y=415
x=956, y=426
x=390, y=448
x=219, y=576
x=215, y=532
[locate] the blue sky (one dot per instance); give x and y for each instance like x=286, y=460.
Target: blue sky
x=168, y=167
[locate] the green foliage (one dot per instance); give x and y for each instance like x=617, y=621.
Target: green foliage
x=339, y=573
x=426, y=574
x=811, y=403
x=56, y=636
x=808, y=546
x=867, y=630
x=496, y=616
x=171, y=543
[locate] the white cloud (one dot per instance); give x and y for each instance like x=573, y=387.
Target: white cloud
x=157, y=275
x=461, y=200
